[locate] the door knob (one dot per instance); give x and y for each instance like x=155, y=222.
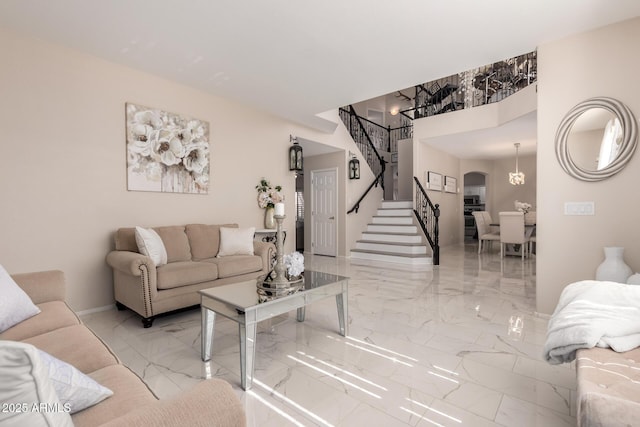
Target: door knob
x=332, y=217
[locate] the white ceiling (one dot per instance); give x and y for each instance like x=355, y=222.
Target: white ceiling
x=296, y=58
x=492, y=143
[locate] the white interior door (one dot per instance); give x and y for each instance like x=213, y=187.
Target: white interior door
x=324, y=201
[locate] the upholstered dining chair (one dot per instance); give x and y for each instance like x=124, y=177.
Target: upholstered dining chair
x=530, y=218
x=484, y=233
x=488, y=221
x=512, y=231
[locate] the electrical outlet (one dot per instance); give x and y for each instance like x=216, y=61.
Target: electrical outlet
x=579, y=208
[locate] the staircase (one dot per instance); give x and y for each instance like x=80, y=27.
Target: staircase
x=393, y=236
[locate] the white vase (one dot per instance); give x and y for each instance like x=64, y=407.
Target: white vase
x=613, y=268
x=269, y=220
x=634, y=280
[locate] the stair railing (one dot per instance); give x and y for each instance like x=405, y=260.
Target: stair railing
x=362, y=139
x=428, y=216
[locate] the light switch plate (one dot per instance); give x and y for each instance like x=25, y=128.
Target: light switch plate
x=579, y=208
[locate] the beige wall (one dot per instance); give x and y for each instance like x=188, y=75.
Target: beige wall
x=451, y=219
x=503, y=194
x=598, y=63
x=63, y=174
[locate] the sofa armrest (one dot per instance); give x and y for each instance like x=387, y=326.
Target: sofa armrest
x=42, y=286
x=129, y=262
x=209, y=403
x=266, y=251
x=601, y=409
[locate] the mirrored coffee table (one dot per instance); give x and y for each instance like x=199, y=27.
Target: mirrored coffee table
x=239, y=302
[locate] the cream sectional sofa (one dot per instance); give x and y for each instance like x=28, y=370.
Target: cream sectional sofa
x=58, y=331
x=192, y=265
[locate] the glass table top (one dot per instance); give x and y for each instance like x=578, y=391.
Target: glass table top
x=243, y=295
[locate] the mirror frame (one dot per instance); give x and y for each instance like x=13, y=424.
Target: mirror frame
x=628, y=145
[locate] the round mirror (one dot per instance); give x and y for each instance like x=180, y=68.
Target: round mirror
x=596, y=139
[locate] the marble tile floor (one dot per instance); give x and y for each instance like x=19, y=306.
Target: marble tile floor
x=455, y=345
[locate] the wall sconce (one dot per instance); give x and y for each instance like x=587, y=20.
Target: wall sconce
x=394, y=111
x=354, y=167
x=295, y=155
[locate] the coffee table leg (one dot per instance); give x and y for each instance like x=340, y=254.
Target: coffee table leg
x=247, y=354
x=208, y=319
x=343, y=313
x=300, y=314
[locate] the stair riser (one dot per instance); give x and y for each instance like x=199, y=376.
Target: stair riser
x=409, y=250
x=409, y=229
x=392, y=220
x=395, y=212
x=394, y=238
x=397, y=205
x=391, y=258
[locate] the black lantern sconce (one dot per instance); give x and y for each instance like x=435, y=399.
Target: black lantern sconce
x=354, y=167
x=295, y=155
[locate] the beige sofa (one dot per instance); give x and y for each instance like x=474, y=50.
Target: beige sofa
x=192, y=265
x=58, y=331
x=608, y=387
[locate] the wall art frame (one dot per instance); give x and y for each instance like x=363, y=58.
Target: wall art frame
x=433, y=181
x=166, y=152
x=450, y=184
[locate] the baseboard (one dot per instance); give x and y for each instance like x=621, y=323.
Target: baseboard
x=96, y=310
x=542, y=315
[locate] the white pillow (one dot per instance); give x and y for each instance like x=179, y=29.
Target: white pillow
x=74, y=389
x=15, y=304
x=150, y=244
x=25, y=387
x=236, y=241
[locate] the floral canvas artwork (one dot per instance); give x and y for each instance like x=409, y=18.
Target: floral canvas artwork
x=166, y=152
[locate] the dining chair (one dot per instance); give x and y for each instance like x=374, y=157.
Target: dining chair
x=530, y=218
x=512, y=231
x=488, y=221
x=483, y=230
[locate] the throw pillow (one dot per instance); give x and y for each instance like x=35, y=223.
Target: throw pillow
x=15, y=304
x=150, y=244
x=27, y=395
x=236, y=241
x=74, y=389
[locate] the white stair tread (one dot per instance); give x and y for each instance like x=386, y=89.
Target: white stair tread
x=395, y=254
x=385, y=242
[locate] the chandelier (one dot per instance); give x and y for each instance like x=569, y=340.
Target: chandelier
x=516, y=178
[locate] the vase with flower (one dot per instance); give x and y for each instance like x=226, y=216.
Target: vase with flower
x=268, y=196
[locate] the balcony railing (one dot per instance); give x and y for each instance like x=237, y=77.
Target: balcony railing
x=472, y=88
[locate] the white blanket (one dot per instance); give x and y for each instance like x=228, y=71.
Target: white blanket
x=593, y=313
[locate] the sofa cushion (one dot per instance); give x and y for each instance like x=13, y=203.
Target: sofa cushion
x=236, y=241
x=125, y=239
x=76, y=345
x=205, y=239
x=25, y=382
x=53, y=315
x=129, y=393
x=175, y=242
x=176, y=274
x=150, y=244
x=15, y=304
x=75, y=390
x=237, y=264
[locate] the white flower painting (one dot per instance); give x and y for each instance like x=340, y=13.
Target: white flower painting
x=166, y=152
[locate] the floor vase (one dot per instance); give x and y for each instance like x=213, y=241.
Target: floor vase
x=613, y=268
